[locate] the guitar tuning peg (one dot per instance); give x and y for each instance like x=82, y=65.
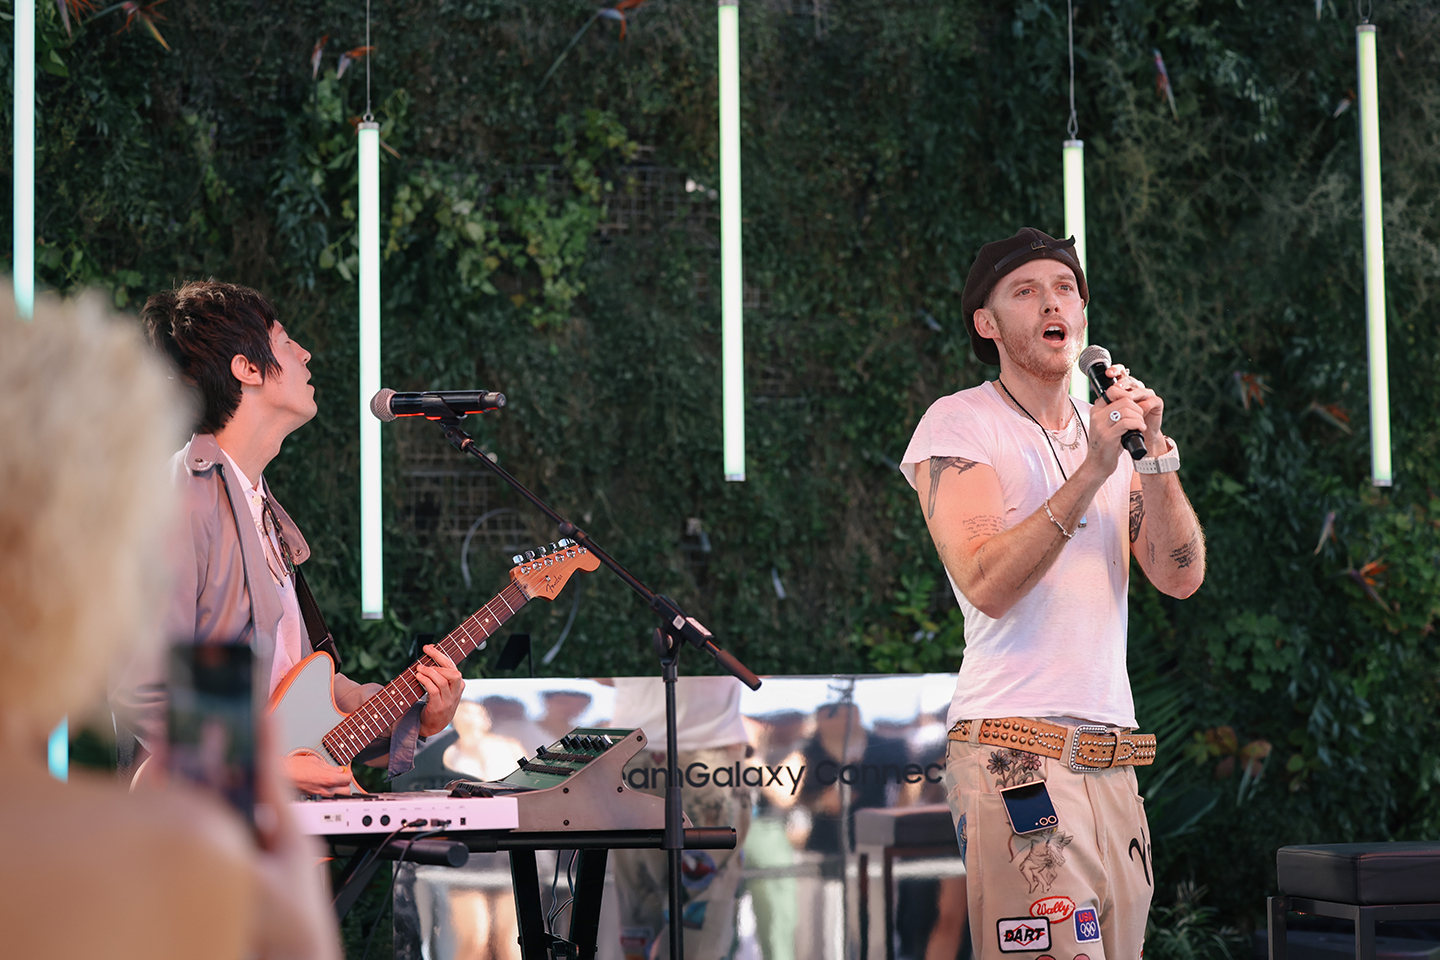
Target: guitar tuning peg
x=566, y=542
x=518, y=559
x=529, y=554
x=554, y=547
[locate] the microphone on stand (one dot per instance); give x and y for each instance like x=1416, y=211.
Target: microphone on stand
x=1095, y=360
x=434, y=405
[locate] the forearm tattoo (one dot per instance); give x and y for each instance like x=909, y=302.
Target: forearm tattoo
x=939, y=465
x=1184, y=556
x=987, y=525
x=1137, y=514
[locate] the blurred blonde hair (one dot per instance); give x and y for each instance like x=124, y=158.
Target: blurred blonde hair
x=88, y=419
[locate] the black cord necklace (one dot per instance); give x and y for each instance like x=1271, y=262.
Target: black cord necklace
x=1046, y=433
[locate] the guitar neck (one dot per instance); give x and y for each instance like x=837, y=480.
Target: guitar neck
x=352, y=734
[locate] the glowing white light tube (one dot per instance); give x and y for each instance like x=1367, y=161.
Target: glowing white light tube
x=1073, y=155
x=23, y=248
x=24, y=152
x=371, y=541
x=1380, y=472
x=58, y=751
x=732, y=283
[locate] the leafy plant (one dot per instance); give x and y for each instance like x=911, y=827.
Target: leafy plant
x=1188, y=930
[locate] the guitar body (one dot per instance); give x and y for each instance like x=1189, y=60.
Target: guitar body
x=303, y=708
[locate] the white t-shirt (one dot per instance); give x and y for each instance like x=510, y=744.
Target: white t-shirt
x=289, y=635
x=1060, y=651
x=707, y=711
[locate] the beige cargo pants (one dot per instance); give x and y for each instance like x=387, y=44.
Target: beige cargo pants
x=1078, y=891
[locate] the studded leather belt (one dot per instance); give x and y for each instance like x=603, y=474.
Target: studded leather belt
x=1083, y=748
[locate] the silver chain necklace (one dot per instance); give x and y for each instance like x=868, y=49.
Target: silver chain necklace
x=1046, y=433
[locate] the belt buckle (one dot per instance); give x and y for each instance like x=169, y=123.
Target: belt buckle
x=1073, y=759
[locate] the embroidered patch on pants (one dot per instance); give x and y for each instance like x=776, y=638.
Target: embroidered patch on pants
x=693, y=915
x=635, y=942
x=1087, y=926
x=1023, y=934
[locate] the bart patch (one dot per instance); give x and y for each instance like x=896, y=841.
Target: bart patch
x=1023, y=934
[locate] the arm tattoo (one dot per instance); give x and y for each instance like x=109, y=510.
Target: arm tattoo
x=1137, y=514
x=987, y=525
x=1185, y=555
x=939, y=465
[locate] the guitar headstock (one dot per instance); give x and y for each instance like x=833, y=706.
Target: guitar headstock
x=543, y=572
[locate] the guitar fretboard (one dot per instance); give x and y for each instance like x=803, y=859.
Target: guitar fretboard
x=378, y=714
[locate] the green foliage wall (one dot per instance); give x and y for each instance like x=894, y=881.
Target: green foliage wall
x=883, y=145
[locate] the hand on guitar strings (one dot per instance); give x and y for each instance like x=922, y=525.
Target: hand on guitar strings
x=443, y=682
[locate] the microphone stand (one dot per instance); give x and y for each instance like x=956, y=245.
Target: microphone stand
x=676, y=628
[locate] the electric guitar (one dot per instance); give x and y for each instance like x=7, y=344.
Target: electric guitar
x=303, y=704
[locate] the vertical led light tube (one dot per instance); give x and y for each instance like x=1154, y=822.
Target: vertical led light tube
x=23, y=246
x=732, y=276
x=1073, y=157
x=1380, y=471
x=58, y=752
x=372, y=598
x=23, y=259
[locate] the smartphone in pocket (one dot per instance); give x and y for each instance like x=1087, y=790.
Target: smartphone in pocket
x=1028, y=807
x=212, y=721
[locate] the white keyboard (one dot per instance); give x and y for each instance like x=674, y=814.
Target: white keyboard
x=407, y=812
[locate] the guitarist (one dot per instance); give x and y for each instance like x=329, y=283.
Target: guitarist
x=235, y=575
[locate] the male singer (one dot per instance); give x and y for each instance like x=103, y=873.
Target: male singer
x=1035, y=507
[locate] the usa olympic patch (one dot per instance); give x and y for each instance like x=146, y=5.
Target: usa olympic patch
x=1087, y=925
x=1023, y=934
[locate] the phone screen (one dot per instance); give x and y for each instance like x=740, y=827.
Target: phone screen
x=212, y=720
x=1029, y=808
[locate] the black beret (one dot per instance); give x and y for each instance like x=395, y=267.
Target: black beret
x=995, y=261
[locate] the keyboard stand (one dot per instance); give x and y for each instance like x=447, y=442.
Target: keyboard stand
x=593, y=848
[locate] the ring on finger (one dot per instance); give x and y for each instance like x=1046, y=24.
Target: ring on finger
x=1114, y=416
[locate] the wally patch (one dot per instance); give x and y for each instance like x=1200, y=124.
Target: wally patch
x=1054, y=909
x=1023, y=934
x=1087, y=925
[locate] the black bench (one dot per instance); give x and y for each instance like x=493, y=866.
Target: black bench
x=1366, y=883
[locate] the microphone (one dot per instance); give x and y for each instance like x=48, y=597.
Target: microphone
x=1094, y=360
x=434, y=405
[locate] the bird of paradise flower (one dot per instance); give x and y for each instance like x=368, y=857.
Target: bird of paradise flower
x=145, y=13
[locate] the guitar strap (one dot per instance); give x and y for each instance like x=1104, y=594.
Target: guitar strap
x=314, y=622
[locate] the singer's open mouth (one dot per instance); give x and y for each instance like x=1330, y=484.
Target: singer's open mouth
x=1055, y=333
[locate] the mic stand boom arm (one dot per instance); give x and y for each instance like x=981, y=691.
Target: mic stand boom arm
x=676, y=627
x=673, y=621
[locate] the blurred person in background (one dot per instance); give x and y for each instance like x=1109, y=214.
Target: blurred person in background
x=85, y=507
x=508, y=718
x=710, y=745
x=563, y=710
x=478, y=751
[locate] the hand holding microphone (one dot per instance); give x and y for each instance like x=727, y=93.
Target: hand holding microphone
x=1095, y=361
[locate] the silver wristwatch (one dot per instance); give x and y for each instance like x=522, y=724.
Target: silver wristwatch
x=1168, y=463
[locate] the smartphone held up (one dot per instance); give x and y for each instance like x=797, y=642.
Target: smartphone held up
x=212, y=721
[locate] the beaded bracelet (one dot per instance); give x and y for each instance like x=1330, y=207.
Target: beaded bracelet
x=1057, y=523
